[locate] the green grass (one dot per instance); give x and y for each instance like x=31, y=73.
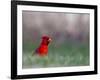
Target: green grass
x=60, y=56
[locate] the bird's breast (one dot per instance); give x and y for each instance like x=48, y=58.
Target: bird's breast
x=43, y=49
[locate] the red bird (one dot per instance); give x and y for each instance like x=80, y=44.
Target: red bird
x=42, y=50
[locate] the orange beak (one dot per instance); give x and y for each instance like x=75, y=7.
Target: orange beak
x=50, y=40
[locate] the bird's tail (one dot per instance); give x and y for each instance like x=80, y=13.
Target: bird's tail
x=33, y=53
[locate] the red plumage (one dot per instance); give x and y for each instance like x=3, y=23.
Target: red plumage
x=42, y=50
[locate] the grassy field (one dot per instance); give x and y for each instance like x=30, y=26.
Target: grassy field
x=60, y=56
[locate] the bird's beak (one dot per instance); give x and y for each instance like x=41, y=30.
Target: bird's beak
x=50, y=40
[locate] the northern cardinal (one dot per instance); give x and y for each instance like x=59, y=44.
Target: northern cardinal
x=42, y=50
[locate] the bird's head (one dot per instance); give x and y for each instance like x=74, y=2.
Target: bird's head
x=46, y=40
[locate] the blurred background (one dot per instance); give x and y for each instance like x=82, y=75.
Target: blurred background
x=70, y=35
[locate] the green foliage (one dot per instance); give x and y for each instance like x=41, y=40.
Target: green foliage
x=59, y=56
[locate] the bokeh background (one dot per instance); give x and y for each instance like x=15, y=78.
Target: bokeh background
x=70, y=35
